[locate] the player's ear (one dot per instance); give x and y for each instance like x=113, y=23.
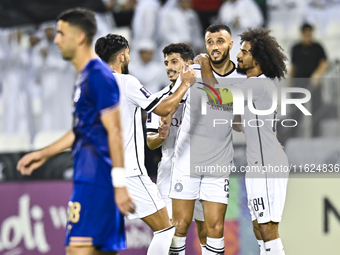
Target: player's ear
x=81, y=37
x=189, y=62
x=121, y=57
x=231, y=45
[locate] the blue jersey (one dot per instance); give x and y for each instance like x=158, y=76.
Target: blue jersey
x=96, y=93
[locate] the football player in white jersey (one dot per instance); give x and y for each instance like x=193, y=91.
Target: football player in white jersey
x=114, y=50
x=200, y=146
x=163, y=131
x=262, y=59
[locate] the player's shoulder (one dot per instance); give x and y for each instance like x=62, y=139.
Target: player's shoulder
x=261, y=79
x=99, y=73
x=98, y=69
x=126, y=78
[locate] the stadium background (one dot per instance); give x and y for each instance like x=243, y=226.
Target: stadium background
x=33, y=209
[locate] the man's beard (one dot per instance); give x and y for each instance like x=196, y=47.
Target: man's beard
x=125, y=68
x=241, y=70
x=224, y=56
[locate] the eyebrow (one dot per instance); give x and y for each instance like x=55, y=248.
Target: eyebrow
x=244, y=50
x=218, y=38
x=170, y=60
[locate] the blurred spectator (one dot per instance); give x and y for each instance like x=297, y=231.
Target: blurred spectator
x=149, y=72
x=264, y=10
x=17, y=114
x=144, y=23
x=207, y=11
x=123, y=12
x=34, y=37
x=56, y=78
x=239, y=15
x=179, y=23
x=309, y=61
x=105, y=20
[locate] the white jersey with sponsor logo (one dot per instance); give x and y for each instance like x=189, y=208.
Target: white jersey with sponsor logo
x=134, y=97
x=199, y=142
x=152, y=124
x=263, y=147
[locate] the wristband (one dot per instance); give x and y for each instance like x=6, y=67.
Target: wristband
x=118, y=177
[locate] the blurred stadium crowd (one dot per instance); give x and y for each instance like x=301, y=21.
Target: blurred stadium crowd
x=36, y=84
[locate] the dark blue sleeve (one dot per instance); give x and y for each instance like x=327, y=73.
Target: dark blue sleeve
x=104, y=91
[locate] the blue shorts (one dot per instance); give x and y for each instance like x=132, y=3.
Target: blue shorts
x=94, y=219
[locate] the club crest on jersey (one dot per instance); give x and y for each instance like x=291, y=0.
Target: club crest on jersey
x=178, y=187
x=145, y=92
x=77, y=93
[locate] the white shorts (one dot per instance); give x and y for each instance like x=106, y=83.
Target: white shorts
x=266, y=198
x=184, y=186
x=164, y=191
x=145, y=195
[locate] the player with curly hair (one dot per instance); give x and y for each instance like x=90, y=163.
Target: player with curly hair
x=261, y=59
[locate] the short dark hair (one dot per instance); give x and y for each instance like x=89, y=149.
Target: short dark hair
x=83, y=19
x=108, y=46
x=182, y=48
x=266, y=51
x=306, y=26
x=214, y=28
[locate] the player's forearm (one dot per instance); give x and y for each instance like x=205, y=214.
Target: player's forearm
x=154, y=141
x=62, y=144
x=237, y=126
x=209, y=79
x=167, y=105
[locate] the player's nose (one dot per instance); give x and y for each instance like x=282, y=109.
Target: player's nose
x=56, y=39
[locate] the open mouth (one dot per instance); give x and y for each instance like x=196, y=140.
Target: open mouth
x=215, y=54
x=171, y=73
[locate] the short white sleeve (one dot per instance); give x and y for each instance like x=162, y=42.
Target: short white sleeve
x=140, y=96
x=152, y=123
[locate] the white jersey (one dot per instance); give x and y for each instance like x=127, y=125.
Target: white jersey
x=263, y=148
x=152, y=124
x=210, y=146
x=134, y=97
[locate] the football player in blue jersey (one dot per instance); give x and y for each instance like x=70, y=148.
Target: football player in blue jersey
x=95, y=223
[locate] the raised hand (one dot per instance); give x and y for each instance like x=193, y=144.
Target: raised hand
x=202, y=59
x=188, y=75
x=164, y=128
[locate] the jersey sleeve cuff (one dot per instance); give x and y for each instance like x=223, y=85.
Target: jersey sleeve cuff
x=153, y=105
x=109, y=109
x=152, y=131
